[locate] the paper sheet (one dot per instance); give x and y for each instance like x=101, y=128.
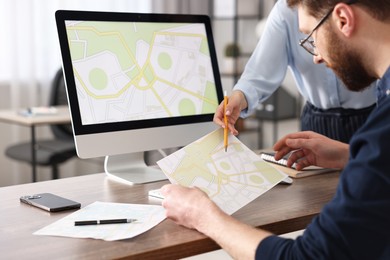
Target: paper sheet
x=147, y=217
x=232, y=179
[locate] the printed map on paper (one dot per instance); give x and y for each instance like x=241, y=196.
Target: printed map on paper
x=232, y=179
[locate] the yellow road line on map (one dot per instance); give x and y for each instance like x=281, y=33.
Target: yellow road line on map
x=133, y=81
x=119, y=35
x=187, y=91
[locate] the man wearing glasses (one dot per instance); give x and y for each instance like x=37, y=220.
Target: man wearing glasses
x=352, y=38
x=331, y=109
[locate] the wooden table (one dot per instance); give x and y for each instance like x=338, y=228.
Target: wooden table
x=283, y=209
x=14, y=117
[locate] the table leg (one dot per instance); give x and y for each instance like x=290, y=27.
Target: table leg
x=33, y=155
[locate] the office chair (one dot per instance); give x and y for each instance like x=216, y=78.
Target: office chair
x=49, y=152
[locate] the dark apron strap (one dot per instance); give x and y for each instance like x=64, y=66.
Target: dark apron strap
x=335, y=123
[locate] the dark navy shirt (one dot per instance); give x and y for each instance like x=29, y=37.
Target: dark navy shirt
x=355, y=224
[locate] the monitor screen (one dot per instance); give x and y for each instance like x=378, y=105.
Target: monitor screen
x=137, y=82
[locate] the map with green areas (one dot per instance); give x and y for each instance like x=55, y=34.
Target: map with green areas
x=231, y=179
x=134, y=70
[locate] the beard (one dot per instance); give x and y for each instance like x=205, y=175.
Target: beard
x=346, y=63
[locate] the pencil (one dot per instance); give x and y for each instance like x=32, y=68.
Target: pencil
x=226, y=129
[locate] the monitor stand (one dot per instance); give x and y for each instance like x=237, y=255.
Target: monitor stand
x=131, y=169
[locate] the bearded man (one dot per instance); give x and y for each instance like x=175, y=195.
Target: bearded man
x=352, y=38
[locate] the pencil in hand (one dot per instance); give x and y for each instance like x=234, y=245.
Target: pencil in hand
x=226, y=129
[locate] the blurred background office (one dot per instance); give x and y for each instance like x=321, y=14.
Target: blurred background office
x=30, y=58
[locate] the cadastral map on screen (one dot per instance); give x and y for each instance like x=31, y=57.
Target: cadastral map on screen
x=136, y=70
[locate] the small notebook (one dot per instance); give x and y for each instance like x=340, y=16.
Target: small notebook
x=292, y=172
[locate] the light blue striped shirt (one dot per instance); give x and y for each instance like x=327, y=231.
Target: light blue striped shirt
x=277, y=50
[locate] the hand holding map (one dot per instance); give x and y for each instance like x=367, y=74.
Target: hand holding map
x=232, y=179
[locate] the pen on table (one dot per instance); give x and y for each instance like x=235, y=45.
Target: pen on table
x=103, y=221
x=226, y=129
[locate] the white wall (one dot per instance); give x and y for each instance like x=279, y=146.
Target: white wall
x=13, y=172
x=29, y=59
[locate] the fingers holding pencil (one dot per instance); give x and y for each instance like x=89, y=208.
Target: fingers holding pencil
x=225, y=118
x=232, y=114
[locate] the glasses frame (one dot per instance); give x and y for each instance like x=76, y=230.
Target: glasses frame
x=312, y=47
x=309, y=44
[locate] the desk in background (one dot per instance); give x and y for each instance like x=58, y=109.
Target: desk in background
x=13, y=117
x=285, y=208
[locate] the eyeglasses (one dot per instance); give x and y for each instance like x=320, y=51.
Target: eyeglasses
x=308, y=43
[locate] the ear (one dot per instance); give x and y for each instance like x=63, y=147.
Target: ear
x=345, y=18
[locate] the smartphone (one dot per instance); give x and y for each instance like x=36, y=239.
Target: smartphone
x=50, y=202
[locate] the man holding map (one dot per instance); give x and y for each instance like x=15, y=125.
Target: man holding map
x=351, y=38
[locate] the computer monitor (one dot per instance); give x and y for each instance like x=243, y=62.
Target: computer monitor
x=137, y=82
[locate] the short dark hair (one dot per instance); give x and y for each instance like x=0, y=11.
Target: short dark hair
x=378, y=9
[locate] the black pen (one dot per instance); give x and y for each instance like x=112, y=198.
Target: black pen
x=103, y=221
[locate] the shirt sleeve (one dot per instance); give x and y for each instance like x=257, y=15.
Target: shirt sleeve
x=274, y=247
x=268, y=63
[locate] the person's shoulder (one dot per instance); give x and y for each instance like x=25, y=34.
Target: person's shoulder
x=284, y=12
x=282, y=6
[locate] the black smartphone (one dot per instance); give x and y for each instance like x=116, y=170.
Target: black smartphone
x=50, y=202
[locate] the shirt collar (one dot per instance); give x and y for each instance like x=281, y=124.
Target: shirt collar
x=383, y=86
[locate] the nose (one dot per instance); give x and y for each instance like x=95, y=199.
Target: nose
x=318, y=59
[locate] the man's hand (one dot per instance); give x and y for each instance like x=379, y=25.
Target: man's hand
x=310, y=148
x=187, y=206
x=192, y=208
x=236, y=104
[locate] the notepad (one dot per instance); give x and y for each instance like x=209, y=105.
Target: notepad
x=292, y=171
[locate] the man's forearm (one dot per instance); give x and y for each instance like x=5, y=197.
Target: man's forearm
x=236, y=238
